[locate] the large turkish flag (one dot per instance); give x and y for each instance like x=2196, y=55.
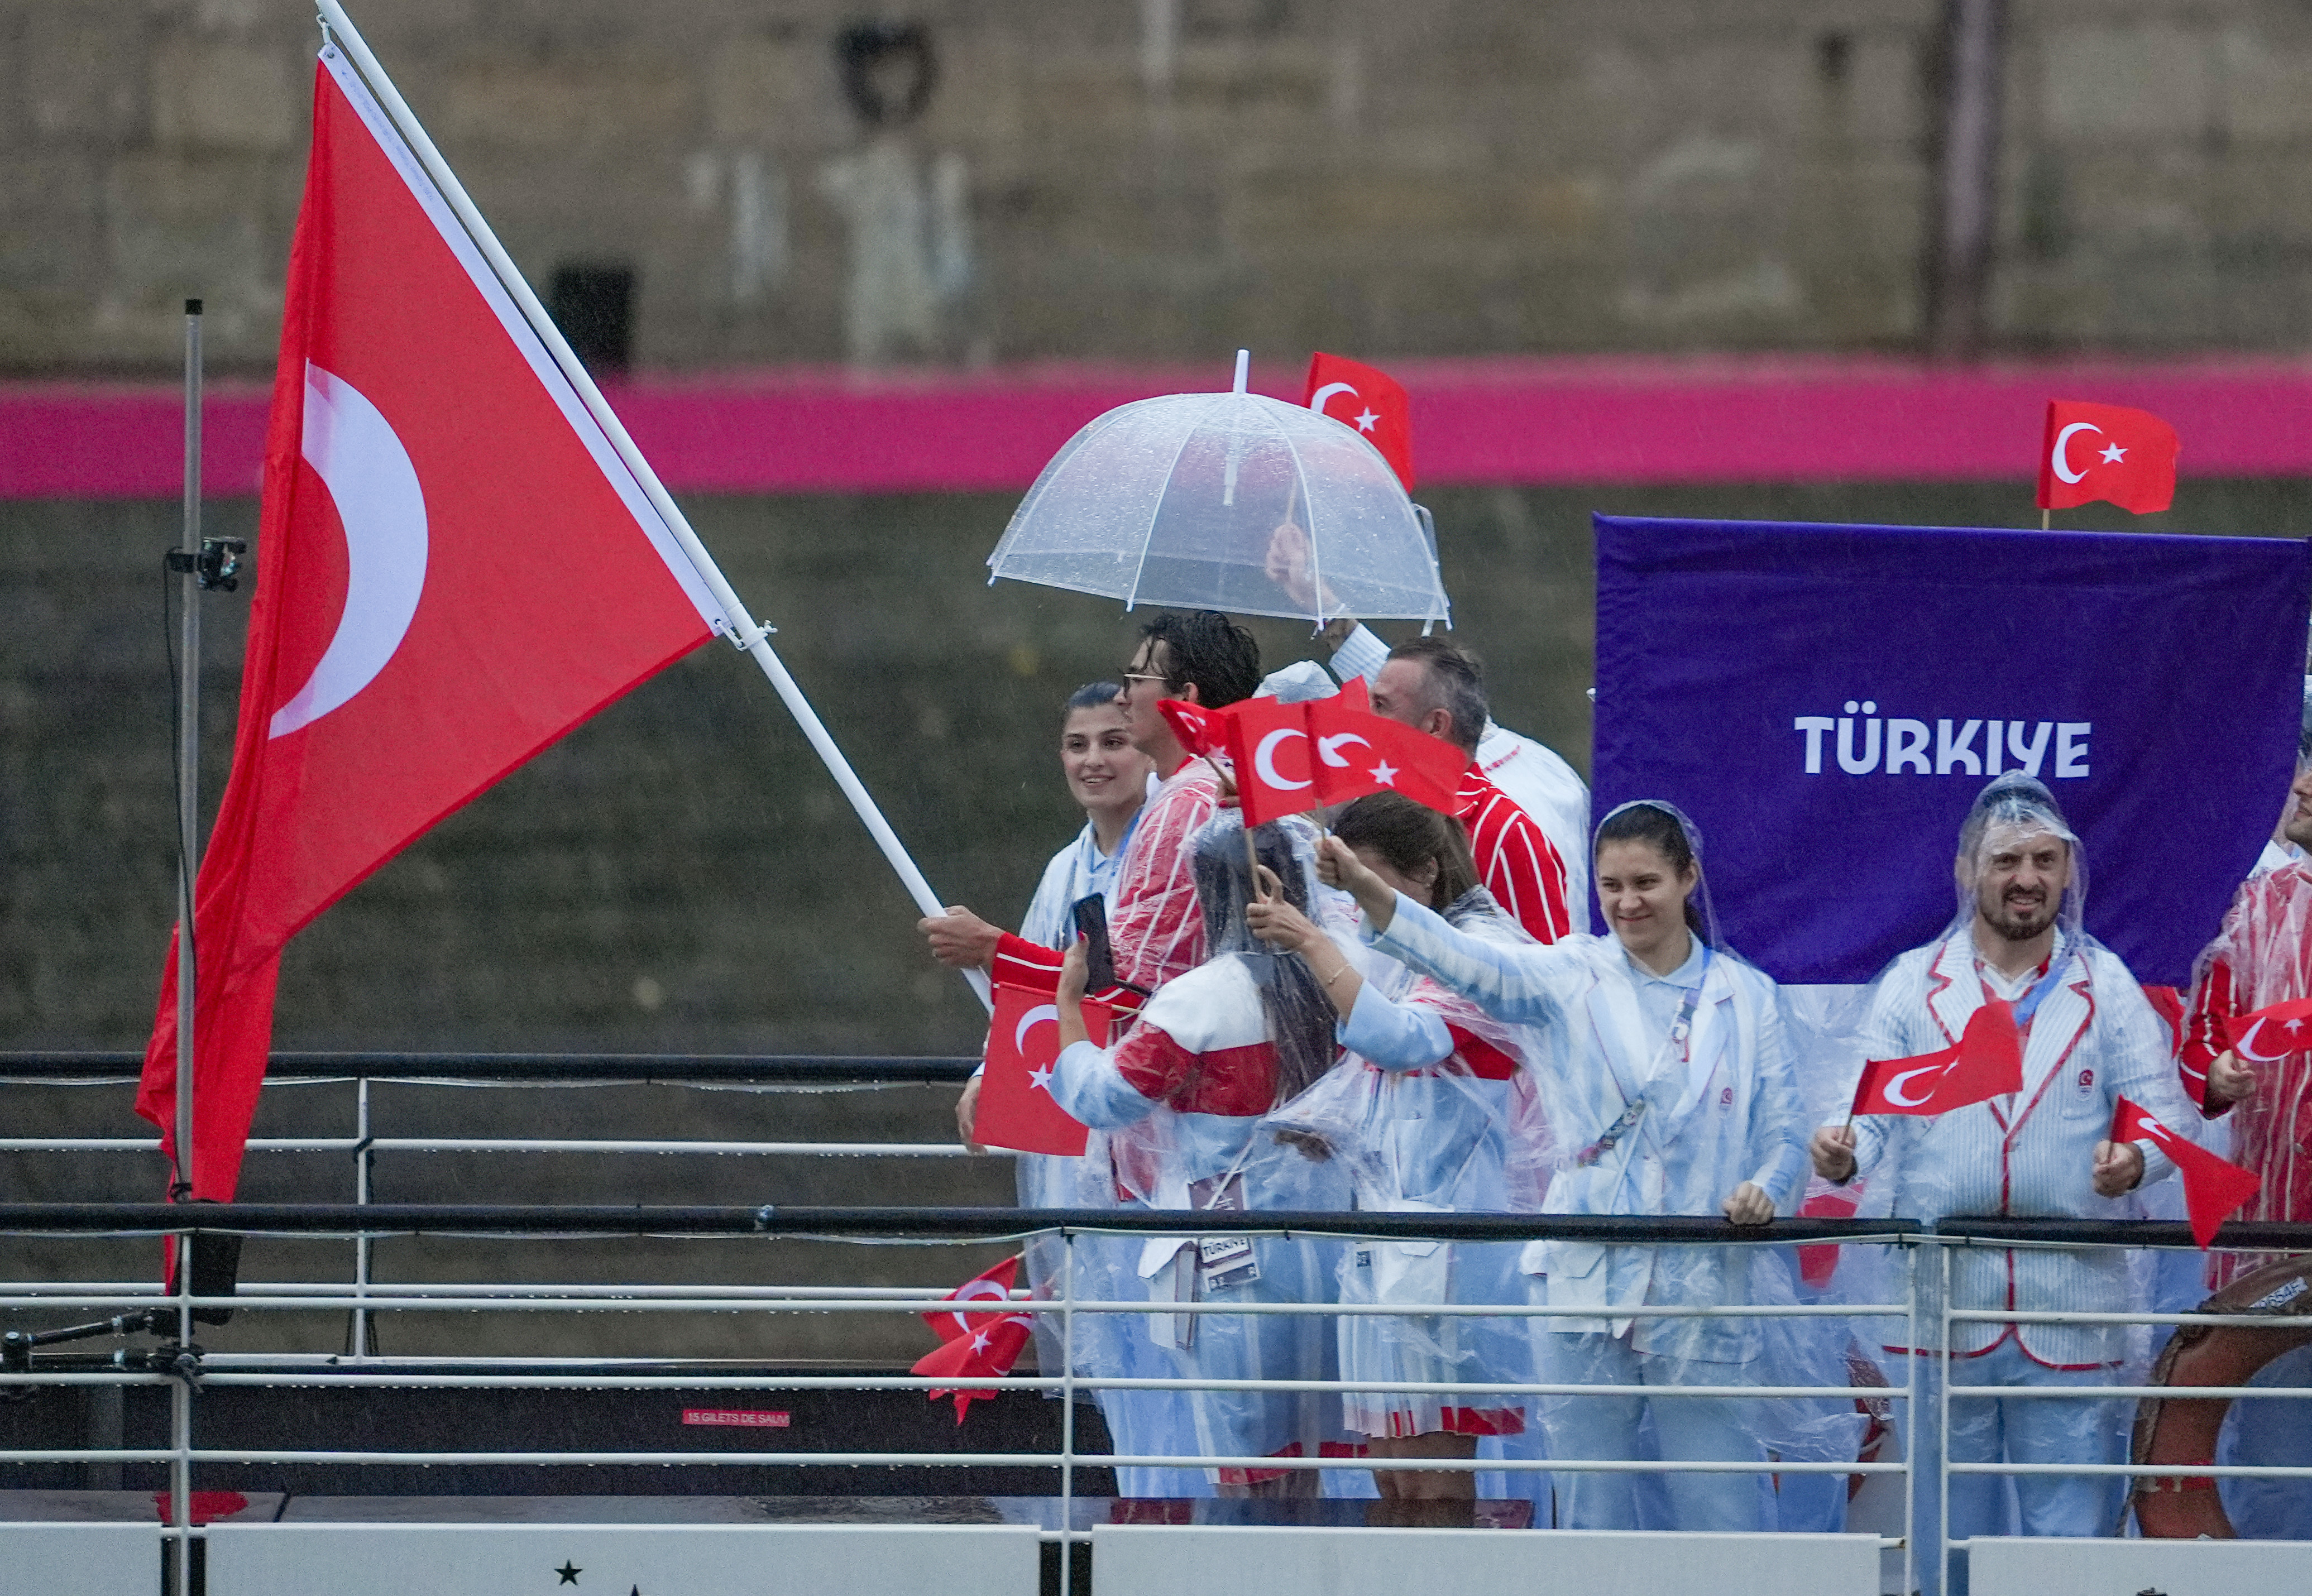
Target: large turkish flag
x=453, y=568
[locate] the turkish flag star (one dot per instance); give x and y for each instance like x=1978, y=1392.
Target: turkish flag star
x=1385, y=773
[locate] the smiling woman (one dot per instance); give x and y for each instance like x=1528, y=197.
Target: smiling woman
x=1668, y=1090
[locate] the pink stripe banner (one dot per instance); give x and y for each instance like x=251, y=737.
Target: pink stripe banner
x=1508, y=420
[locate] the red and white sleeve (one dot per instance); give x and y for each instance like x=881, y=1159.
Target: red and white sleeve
x=2206, y=1034
x=1524, y=872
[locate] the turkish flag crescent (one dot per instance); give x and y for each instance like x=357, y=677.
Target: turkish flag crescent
x=454, y=568
x=1016, y=1106
x=1372, y=402
x=2212, y=1187
x=1986, y=1061
x=2124, y=457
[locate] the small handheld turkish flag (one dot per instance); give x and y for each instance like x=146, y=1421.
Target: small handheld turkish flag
x=1358, y=752
x=1986, y=1061
x=1199, y=730
x=977, y=1343
x=1268, y=742
x=2267, y=1035
x=2212, y=1187
x=1016, y=1106
x=2110, y=452
x=1371, y=401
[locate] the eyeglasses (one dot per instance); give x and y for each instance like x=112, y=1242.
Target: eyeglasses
x=1129, y=674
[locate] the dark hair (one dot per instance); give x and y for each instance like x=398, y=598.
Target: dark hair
x=1409, y=835
x=1092, y=696
x=1208, y=649
x=1294, y=1010
x=1455, y=682
x=1660, y=829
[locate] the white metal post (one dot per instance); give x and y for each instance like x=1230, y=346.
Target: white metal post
x=1942, y=1423
x=752, y=637
x=1914, y=1254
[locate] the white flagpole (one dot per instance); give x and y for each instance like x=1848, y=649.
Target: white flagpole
x=753, y=637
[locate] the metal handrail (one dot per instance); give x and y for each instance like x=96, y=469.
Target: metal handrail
x=787, y=1070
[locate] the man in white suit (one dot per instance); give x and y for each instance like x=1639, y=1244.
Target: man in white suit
x=2090, y=1037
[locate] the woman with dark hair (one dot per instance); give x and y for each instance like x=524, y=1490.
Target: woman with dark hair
x=1183, y=1104
x=1434, y=1112
x=1667, y=1091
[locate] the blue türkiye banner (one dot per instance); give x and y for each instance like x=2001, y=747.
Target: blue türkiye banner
x=1826, y=702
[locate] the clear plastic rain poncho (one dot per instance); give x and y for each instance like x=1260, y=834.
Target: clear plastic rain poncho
x=1175, y=501
x=1106, y=1346
x=1421, y=1133
x=1662, y=1096
x=2090, y=1037
x=1183, y=1106
x=2262, y=955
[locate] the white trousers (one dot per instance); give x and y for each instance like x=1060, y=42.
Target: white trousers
x=1687, y=1429
x=2034, y=1430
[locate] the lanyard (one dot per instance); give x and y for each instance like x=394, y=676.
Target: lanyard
x=1680, y=1029
x=2027, y=1004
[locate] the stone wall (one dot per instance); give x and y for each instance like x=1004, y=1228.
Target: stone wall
x=1167, y=179
x=681, y=874
x=678, y=876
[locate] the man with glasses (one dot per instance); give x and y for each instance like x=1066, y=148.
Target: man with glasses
x=1157, y=931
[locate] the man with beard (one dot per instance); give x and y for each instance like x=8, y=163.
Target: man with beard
x=2090, y=1038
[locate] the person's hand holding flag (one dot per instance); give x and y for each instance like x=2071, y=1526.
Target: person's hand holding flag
x=1984, y=1062
x=2214, y=1187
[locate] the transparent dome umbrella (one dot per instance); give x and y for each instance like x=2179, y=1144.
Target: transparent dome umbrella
x=1229, y=502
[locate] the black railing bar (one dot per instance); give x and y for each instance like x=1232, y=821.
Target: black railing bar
x=939, y=1224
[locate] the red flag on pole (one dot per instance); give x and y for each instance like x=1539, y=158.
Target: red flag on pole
x=1986, y=1061
x=1358, y=752
x=1199, y=730
x=2110, y=452
x=1372, y=402
x=1268, y=744
x=2212, y=1187
x=1016, y=1106
x=454, y=569
x=981, y=1343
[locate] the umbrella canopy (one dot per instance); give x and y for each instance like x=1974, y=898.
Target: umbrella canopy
x=1229, y=502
